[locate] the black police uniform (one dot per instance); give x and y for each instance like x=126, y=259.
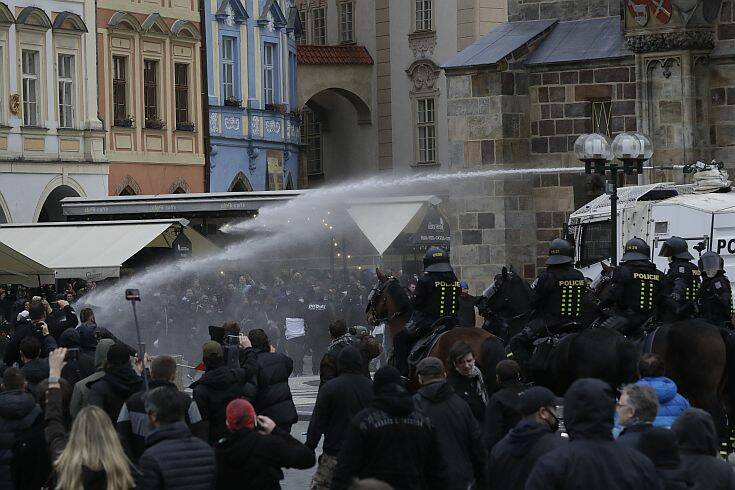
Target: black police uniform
x=682, y=282
x=636, y=292
x=714, y=299
x=557, y=301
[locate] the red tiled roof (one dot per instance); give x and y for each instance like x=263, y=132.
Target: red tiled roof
x=333, y=55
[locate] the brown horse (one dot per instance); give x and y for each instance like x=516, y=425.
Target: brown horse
x=389, y=302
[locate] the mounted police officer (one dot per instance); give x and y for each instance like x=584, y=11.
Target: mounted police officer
x=714, y=297
x=636, y=290
x=435, y=303
x=557, y=301
x=682, y=279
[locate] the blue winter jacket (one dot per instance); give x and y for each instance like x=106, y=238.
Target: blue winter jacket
x=671, y=403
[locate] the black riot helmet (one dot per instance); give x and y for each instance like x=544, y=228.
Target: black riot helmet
x=710, y=263
x=560, y=252
x=676, y=248
x=436, y=259
x=636, y=249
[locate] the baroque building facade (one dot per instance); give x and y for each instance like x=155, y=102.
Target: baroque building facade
x=149, y=61
x=371, y=83
x=251, y=77
x=51, y=140
x=521, y=95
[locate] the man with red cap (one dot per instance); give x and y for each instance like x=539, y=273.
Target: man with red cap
x=256, y=450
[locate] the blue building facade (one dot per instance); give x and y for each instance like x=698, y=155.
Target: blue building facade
x=251, y=71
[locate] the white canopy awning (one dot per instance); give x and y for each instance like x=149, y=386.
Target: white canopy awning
x=16, y=268
x=93, y=250
x=382, y=219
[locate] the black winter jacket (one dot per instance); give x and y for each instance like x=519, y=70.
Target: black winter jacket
x=133, y=424
x=249, y=456
x=502, y=413
x=592, y=459
x=631, y=435
x=513, y=457
x=393, y=442
x=18, y=412
x=111, y=391
x=213, y=391
x=458, y=432
x=270, y=392
x=698, y=442
x=35, y=371
x=22, y=330
x=61, y=320
x=466, y=388
x=82, y=365
x=176, y=460
x=338, y=401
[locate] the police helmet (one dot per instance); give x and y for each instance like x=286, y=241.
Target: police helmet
x=710, y=263
x=436, y=259
x=636, y=249
x=560, y=252
x=677, y=248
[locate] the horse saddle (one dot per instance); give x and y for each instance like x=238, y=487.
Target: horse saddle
x=423, y=346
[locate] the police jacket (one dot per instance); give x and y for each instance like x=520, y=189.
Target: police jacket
x=714, y=299
x=682, y=282
x=558, y=293
x=637, y=287
x=437, y=294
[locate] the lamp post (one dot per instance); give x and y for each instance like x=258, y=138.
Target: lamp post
x=632, y=149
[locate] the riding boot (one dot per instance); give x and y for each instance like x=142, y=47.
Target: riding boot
x=402, y=343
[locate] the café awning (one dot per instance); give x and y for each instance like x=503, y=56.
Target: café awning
x=16, y=268
x=95, y=250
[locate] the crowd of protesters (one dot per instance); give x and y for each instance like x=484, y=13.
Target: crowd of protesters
x=80, y=410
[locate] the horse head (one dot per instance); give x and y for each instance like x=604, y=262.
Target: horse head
x=509, y=294
x=387, y=299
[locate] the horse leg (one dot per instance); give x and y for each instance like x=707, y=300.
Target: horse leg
x=492, y=352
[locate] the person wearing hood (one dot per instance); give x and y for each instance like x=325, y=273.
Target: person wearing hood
x=592, y=459
x=513, y=457
x=670, y=403
x=119, y=382
x=391, y=441
x=660, y=446
x=90, y=334
x=698, y=446
x=79, y=365
x=18, y=412
x=339, y=399
x=256, y=450
x=219, y=385
x=174, y=459
x=35, y=368
x=636, y=411
x=456, y=428
x=269, y=390
x=502, y=412
x=81, y=389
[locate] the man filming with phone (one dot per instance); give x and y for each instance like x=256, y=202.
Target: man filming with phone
x=35, y=325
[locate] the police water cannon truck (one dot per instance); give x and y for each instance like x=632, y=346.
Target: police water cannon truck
x=702, y=213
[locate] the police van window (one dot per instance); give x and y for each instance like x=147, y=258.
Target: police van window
x=595, y=243
x=661, y=227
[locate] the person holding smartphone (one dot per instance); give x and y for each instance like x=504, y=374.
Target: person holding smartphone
x=34, y=325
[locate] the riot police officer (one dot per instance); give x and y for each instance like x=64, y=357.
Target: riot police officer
x=436, y=297
x=714, y=297
x=682, y=279
x=557, y=300
x=636, y=290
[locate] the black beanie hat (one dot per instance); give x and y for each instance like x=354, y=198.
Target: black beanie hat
x=385, y=377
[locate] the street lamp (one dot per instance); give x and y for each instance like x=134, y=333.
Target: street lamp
x=632, y=149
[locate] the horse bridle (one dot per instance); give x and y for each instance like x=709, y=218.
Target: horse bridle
x=377, y=292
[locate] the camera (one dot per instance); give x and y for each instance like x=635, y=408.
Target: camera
x=132, y=294
x=72, y=354
x=232, y=340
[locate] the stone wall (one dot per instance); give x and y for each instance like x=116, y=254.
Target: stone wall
x=561, y=9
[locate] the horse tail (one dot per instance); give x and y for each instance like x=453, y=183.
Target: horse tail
x=493, y=352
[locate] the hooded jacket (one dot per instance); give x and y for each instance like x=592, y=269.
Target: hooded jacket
x=501, y=413
x=512, y=459
x=393, y=442
x=592, y=459
x=79, y=367
x=111, y=391
x=670, y=403
x=269, y=391
x=249, y=456
x=338, y=401
x=18, y=412
x=217, y=387
x=35, y=371
x=698, y=443
x=461, y=440
x=81, y=389
x=174, y=459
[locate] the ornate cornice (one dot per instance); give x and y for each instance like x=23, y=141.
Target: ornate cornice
x=670, y=41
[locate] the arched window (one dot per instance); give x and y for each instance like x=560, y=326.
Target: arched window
x=127, y=191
